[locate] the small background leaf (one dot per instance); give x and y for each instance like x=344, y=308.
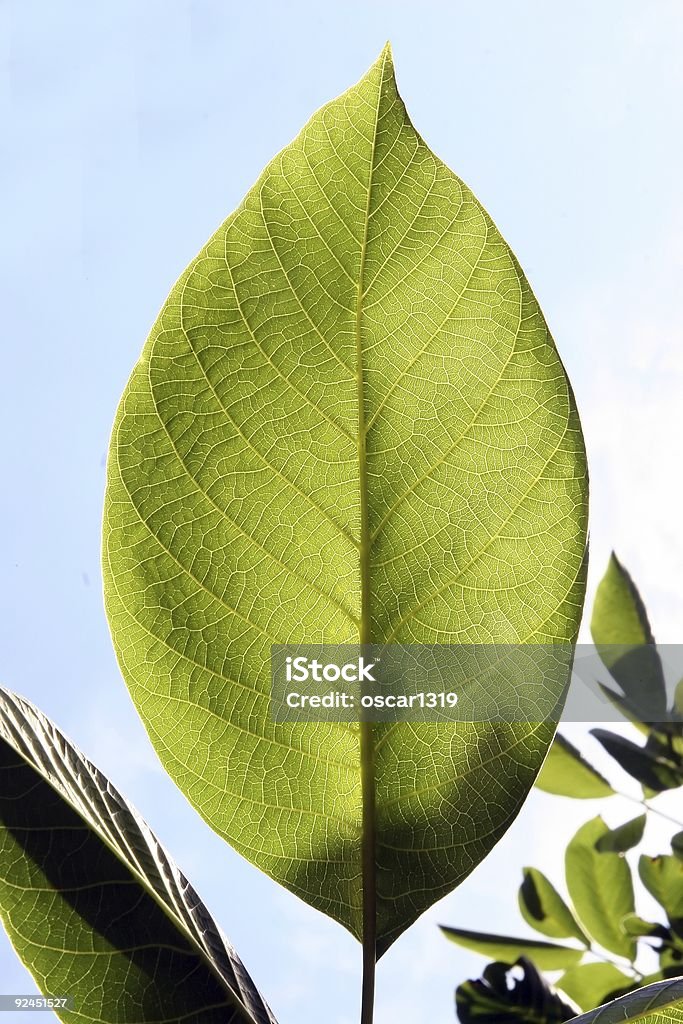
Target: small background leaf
x=622, y=634
x=601, y=888
x=624, y=837
x=589, y=985
x=663, y=877
x=502, y=995
x=633, y=924
x=566, y=772
x=657, y=773
x=546, y=955
x=544, y=909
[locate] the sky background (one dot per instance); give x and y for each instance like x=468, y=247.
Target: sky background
x=130, y=131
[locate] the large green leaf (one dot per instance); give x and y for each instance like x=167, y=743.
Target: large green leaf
x=601, y=888
x=549, y=956
x=661, y=1003
x=349, y=423
x=544, y=909
x=93, y=904
x=621, y=632
x=566, y=772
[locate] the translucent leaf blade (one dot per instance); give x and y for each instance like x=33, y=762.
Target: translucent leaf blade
x=349, y=422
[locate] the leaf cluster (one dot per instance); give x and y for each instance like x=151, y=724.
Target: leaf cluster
x=599, y=963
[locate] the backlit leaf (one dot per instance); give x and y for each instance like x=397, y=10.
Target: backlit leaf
x=601, y=888
x=566, y=772
x=547, y=955
x=622, y=634
x=623, y=837
x=589, y=985
x=349, y=423
x=663, y=877
x=544, y=909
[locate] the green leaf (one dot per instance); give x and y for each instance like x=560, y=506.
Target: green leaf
x=544, y=909
x=502, y=995
x=637, y=926
x=619, y=616
x=621, y=632
x=349, y=424
x=547, y=955
x=601, y=888
x=624, y=837
x=626, y=707
x=661, y=1003
x=589, y=985
x=656, y=772
x=663, y=878
x=671, y=960
x=566, y=772
x=91, y=901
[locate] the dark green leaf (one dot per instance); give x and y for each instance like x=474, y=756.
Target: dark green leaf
x=656, y=772
x=601, y=888
x=589, y=985
x=502, y=995
x=677, y=845
x=566, y=772
x=544, y=909
x=91, y=901
x=621, y=632
x=671, y=960
x=661, y=1003
x=624, y=837
x=547, y=955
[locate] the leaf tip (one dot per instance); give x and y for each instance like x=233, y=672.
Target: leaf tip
x=385, y=63
x=387, y=53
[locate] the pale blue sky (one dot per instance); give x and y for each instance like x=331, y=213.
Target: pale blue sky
x=130, y=130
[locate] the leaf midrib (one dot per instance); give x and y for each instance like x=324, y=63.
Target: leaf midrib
x=367, y=755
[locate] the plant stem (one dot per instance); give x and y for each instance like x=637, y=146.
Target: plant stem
x=615, y=963
x=649, y=807
x=368, y=856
